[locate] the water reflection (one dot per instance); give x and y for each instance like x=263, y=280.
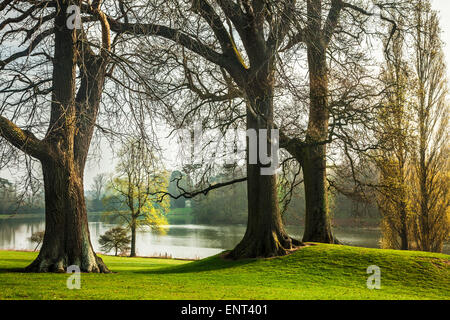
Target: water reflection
x=180, y=241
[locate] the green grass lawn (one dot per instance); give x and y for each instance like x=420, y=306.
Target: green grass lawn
x=314, y=272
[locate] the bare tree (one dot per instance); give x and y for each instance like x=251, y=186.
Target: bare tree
x=431, y=192
x=99, y=184
x=396, y=146
x=41, y=76
x=242, y=42
x=329, y=27
x=261, y=27
x=130, y=191
x=412, y=159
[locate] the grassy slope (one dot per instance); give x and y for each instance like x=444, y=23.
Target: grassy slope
x=315, y=272
x=21, y=216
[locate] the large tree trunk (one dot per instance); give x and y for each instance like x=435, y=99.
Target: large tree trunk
x=313, y=157
x=66, y=240
x=73, y=116
x=317, y=218
x=265, y=235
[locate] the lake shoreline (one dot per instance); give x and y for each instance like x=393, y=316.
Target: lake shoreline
x=179, y=241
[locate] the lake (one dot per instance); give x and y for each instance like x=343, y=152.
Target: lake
x=179, y=241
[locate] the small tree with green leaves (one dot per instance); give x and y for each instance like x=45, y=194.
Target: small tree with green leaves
x=132, y=191
x=116, y=239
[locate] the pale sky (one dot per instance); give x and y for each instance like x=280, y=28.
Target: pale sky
x=104, y=163
x=443, y=6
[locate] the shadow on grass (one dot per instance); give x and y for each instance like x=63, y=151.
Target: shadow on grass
x=217, y=262
x=12, y=270
x=4, y=268
x=213, y=263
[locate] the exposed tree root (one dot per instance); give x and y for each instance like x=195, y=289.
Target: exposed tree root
x=328, y=238
x=270, y=247
x=60, y=265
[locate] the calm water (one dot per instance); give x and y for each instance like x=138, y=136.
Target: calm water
x=179, y=241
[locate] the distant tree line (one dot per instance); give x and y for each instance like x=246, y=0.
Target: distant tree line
x=228, y=205
x=14, y=200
